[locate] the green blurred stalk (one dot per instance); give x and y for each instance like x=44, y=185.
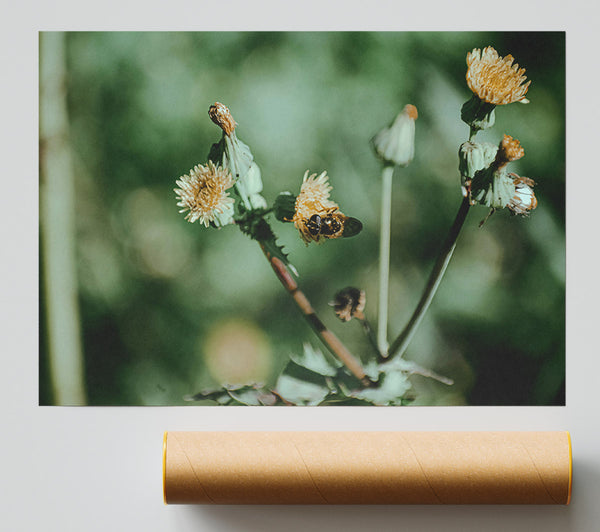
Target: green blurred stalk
x=399, y=345
x=384, y=257
x=57, y=217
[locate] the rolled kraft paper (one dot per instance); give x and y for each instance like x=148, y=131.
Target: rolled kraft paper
x=367, y=467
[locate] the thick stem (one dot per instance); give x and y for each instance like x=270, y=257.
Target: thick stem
x=330, y=340
x=384, y=257
x=399, y=346
x=57, y=214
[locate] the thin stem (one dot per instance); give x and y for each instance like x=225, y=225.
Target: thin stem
x=399, y=346
x=330, y=340
x=370, y=334
x=384, y=257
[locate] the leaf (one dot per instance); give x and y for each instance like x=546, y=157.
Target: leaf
x=296, y=371
x=232, y=153
x=246, y=394
x=391, y=389
x=337, y=399
x=300, y=385
x=316, y=361
x=300, y=392
x=219, y=396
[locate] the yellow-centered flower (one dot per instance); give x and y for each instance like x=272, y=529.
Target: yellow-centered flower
x=203, y=192
x=495, y=79
x=312, y=201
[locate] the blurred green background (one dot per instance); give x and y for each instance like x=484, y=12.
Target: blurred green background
x=168, y=308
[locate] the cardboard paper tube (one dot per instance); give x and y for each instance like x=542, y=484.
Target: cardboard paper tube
x=367, y=467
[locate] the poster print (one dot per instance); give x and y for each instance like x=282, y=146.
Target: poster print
x=294, y=218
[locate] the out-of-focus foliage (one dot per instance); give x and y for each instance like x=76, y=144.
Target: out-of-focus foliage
x=169, y=308
x=313, y=378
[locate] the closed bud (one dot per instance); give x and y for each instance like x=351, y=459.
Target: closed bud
x=496, y=187
x=395, y=144
x=284, y=207
x=233, y=154
x=472, y=158
x=493, y=188
x=254, y=186
x=221, y=116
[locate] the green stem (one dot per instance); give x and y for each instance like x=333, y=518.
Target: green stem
x=399, y=346
x=57, y=215
x=384, y=257
x=370, y=334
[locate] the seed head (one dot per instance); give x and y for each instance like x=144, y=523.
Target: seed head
x=349, y=303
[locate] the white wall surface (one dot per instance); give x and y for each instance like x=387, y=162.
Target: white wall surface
x=98, y=469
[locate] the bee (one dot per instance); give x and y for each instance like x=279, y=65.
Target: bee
x=332, y=224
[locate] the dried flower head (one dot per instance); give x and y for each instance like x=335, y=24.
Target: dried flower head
x=203, y=192
x=509, y=150
x=349, y=303
x=524, y=199
x=221, y=116
x=495, y=79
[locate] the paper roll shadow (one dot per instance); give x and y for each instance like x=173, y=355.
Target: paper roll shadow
x=367, y=467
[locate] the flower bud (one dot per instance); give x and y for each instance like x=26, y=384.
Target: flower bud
x=254, y=186
x=232, y=153
x=395, y=144
x=473, y=157
x=493, y=188
x=221, y=116
x=284, y=207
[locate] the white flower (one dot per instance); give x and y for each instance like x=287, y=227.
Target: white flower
x=203, y=192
